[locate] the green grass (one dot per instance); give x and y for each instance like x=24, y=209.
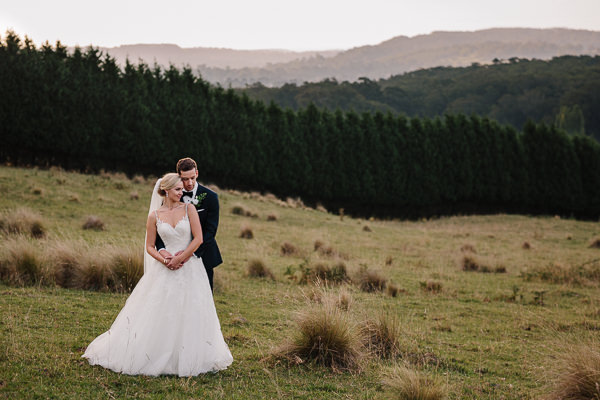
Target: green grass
x=486, y=335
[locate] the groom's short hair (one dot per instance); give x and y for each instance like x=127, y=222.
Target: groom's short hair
x=186, y=164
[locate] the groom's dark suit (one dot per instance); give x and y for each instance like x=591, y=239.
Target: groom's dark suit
x=208, y=211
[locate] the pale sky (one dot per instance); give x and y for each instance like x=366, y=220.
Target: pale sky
x=278, y=24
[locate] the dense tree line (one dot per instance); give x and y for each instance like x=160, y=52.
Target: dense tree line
x=510, y=92
x=81, y=111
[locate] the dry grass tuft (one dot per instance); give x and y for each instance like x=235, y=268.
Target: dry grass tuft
x=381, y=336
x=240, y=210
x=22, y=221
x=370, y=281
x=431, y=286
x=38, y=191
x=595, y=244
x=318, y=244
x=577, y=373
x=139, y=180
x=336, y=274
x=288, y=249
x=134, y=196
x=344, y=300
x=470, y=264
x=95, y=273
x=246, y=232
x=407, y=384
x=257, y=269
x=500, y=269
x=93, y=222
x=271, y=217
x=66, y=260
x=468, y=248
x=22, y=263
x=128, y=267
x=324, y=336
x=366, y=228
x=321, y=208
x=581, y=275
x=389, y=260
x=392, y=290
x=526, y=246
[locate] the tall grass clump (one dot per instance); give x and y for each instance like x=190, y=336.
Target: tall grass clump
x=576, y=374
x=21, y=262
x=370, y=281
x=128, y=267
x=289, y=249
x=324, y=336
x=580, y=275
x=406, y=384
x=336, y=274
x=66, y=260
x=246, y=232
x=95, y=273
x=22, y=221
x=94, y=223
x=381, y=335
x=257, y=269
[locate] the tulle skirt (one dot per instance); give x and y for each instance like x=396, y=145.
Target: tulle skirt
x=168, y=325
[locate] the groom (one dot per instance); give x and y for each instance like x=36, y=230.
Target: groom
x=207, y=204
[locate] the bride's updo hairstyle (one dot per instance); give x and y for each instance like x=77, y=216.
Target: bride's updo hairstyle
x=168, y=182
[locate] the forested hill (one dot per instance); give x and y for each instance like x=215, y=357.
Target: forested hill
x=238, y=68
x=403, y=54
x=81, y=111
x=564, y=91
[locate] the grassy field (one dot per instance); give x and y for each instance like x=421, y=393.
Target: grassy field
x=486, y=335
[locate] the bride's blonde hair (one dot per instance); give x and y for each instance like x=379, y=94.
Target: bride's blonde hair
x=168, y=182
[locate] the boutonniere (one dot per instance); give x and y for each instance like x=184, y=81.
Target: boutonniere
x=197, y=201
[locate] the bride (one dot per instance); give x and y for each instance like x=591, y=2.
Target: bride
x=169, y=324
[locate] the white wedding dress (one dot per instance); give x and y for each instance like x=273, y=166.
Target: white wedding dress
x=169, y=324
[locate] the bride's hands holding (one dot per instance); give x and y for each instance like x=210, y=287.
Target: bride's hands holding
x=176, y=262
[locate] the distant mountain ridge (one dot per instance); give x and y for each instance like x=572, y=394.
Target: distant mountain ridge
x=165, y=54
x=239, y=68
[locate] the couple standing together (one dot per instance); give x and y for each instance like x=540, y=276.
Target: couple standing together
x=169, y=324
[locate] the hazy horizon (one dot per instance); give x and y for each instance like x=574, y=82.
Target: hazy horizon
x=273, y=25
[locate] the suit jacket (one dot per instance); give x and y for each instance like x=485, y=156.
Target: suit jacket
x=208, y=211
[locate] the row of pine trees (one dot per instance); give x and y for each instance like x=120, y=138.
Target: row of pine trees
x=80, y=110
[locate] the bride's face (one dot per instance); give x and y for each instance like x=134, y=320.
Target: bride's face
x=176, y=192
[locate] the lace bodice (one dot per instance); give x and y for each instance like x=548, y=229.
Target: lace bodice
x=175, y=238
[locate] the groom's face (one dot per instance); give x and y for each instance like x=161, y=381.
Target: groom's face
x=189, y=179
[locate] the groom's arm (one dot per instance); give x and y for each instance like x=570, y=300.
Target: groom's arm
x=209, y=230
x=159, y=244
